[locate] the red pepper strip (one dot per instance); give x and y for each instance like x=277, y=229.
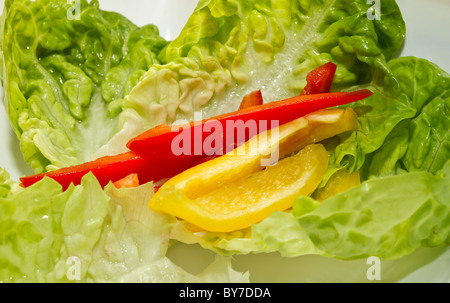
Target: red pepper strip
x=158, y=141
x=110, y=168
x=319, y=80
x=114, y=168
x=252, y=99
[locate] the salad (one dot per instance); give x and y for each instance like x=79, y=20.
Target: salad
x=367, y=178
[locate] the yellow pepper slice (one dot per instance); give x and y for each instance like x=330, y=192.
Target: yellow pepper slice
x=243, y=202
x=235, y=190
x=340, y=181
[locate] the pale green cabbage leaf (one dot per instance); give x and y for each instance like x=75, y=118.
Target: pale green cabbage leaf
x=90, y=234
x=387, y=217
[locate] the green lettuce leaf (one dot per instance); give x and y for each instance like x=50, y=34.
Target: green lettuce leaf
x=404, y=126
x=280, y=232
x=387, y=217
x=66, y=69
x=87, y=234
x=230, y=48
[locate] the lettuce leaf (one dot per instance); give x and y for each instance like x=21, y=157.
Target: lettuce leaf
x=66, y=69
x=387, y=217
x=280, y=233
x=404, y=126
x=230, y=48
x=87, y=234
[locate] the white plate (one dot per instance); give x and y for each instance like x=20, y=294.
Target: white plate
x=426, y=23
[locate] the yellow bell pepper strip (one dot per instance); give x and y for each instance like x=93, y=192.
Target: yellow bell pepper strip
x=233, y=191
x=340, y=181
x=243, y=202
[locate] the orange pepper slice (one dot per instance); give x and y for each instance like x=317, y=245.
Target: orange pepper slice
x=132, y=180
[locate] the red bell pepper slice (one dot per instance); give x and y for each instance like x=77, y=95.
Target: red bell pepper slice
x=115, y=168
x=158, y=141
x=106, y=169
x=252, y=99
x=319, y=80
